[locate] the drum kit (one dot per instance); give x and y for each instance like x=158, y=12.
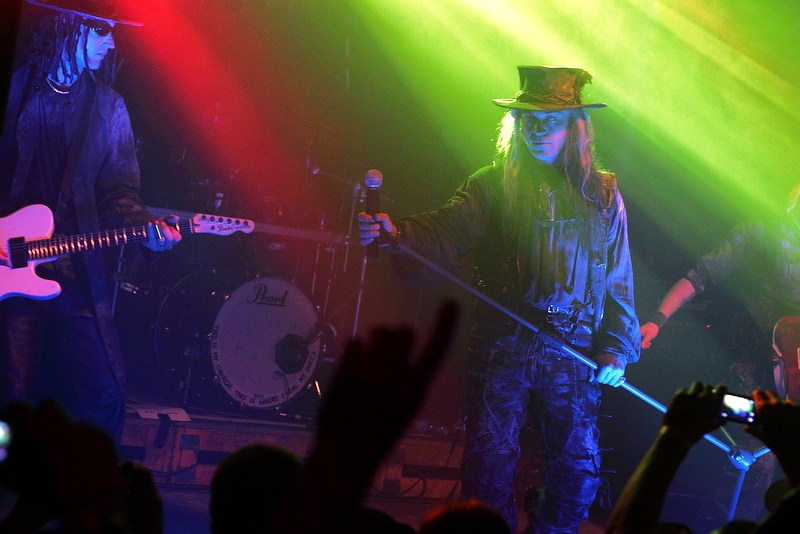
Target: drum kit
x=260, y=344
x=246, y=339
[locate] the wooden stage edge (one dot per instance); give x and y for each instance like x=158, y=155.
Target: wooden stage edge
x=183, y=449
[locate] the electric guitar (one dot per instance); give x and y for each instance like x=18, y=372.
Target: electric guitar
x=26, y=236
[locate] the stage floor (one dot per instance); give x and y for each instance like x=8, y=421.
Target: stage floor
x=182, y=448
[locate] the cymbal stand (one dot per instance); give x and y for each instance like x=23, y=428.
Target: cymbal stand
x=358, y=196
x=316, y=170
x=117, y=280
x=317, y=261
x=741, y=459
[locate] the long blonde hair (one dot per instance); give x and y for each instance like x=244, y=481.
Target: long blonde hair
x=577, y=160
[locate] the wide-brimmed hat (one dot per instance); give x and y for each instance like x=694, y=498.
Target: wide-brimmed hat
x=95, y=9
x=549, y=89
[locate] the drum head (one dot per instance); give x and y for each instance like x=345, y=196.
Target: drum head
x=265, y=343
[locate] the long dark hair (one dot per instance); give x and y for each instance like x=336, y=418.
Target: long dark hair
x=54, y=43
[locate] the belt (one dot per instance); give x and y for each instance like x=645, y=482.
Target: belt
x=561, y=321
x=552, y=314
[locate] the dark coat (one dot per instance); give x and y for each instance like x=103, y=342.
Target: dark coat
x=105, y=189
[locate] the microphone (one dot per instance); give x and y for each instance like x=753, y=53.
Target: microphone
x=373, y=179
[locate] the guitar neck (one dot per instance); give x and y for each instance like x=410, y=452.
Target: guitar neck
x=53, y=247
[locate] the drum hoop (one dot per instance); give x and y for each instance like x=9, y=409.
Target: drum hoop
x=163, y=302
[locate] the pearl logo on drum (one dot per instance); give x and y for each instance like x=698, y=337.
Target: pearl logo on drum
x=261, y=295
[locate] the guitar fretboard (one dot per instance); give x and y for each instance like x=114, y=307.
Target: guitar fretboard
x=52, y=247
x=21, y=252
x=61, y=245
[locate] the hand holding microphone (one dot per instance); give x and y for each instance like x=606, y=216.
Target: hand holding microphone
x=372, y=222
x=373, y=180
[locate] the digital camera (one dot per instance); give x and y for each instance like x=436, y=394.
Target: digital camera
x=738, y=409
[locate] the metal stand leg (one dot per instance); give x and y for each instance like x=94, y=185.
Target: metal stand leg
x=359, y=294
x=742, y=460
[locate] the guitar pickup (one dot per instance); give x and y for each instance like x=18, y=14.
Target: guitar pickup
x=17, y=252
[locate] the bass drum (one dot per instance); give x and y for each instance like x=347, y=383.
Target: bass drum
x=265, y=343
x=183, y=320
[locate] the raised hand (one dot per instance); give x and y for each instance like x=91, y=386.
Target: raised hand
x=778, y=426
x=380, y=385
x=696, y=411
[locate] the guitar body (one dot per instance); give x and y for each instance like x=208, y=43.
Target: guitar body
x=786, y=348
x=27, y=237
x=31, y=222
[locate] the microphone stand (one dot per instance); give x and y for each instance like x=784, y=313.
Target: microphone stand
x=740, y=458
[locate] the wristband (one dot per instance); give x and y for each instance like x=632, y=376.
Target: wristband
x=658, y=319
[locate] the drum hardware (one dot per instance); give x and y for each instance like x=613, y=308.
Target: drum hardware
x=257, y=357
x=120, y=282
x=331, y=275
x=192, y=355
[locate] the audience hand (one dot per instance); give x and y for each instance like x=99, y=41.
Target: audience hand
x=379, y=387
x=692, y=413
x=60, y=469
x=778, y=426
x=696, y=411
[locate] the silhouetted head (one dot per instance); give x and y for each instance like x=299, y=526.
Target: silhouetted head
x=248, y=485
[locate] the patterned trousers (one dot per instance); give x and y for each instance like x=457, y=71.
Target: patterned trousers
x=507, y=379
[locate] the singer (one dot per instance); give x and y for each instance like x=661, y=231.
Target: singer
x=545, y=231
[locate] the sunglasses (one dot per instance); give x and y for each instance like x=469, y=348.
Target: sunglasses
x=101, y=28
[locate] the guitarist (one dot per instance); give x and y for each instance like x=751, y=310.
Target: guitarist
x=67, y=143
x=758, y=264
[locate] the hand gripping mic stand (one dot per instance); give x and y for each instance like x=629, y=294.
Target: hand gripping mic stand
x=740, y=458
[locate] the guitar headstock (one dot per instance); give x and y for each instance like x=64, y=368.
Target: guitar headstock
x=220, y=225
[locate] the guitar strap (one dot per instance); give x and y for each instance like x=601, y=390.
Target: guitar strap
x=75, y=151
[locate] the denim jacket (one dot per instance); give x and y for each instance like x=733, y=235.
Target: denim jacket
x=564, y=272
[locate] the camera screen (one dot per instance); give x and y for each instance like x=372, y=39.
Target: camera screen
x=5, y=440
x=738, y=409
